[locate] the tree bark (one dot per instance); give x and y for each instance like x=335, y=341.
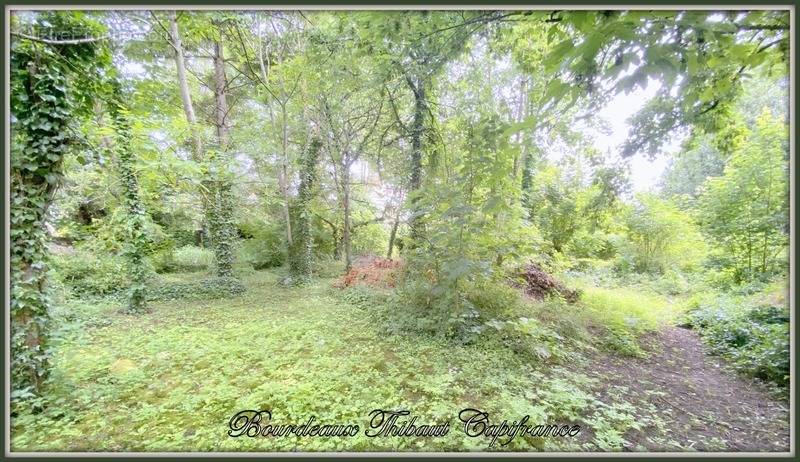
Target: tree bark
x=183, y=84
x=348, y=250
x=221, y=218
x=393, y=235
x=301, y=250
x=415, y=223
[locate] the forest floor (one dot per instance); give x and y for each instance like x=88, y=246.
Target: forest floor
x=171, y=379
x=708, y=407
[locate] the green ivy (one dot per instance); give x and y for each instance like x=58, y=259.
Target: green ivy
x=135, y=246
x=51, y=86
x=301, y=251
x=220, y=223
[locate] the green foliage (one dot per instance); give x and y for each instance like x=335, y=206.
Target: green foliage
x=753, y=334
x=220, y=221
x=51, y=87
x=473, y=225
x=692, y=167
x=264, y=248
x=86, y=273
x=625, y=315
x=192, y=258
x=659, y=237
x=571, y=205
x=745, y=211
x=602, y=53
x=440, y=126
x=135, y=238
x=301, y=251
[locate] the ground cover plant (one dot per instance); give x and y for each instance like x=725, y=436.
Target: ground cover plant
x=575, y=218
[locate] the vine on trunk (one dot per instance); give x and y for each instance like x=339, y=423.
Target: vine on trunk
x=301, y=250
x=135, y=238
x=51, y=85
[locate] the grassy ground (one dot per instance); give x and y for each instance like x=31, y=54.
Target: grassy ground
x=171, y=380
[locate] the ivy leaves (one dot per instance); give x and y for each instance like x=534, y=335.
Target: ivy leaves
x=50, y=88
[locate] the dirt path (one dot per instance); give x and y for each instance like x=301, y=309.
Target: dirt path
x=688, y=401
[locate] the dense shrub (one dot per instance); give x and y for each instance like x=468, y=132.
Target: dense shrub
x=363, y=297
x=90, y=274
x=192, y=258
x=264, y=244
x=163, y=261
x=658, y=236
x=370, y=239
x=751, y=334
x=262, y=253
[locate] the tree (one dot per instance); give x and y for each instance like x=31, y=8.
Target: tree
x=661, y=236
x=135, y=238
x=349, y=113
x=699, y=58
x=744, y=211
x=415, y=46
x=220, y=218
x=300, y=251
x=52, y=86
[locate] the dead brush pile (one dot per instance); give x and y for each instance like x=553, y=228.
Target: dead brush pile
x=371, y=271
x=538, y=284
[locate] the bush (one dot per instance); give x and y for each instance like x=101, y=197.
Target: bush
x=209, y=288
x=264, y=246
x=261, y=254
x=752, y=335
x=363, y=297
x=90, y=274
x=659, y=236
x=191, y=258
x=163, y=261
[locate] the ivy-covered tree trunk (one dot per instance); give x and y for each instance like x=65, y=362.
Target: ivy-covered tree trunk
x=527, y=183
x=347, y=229
x=220, y=213
x=417, y=129
x=135, y=239
x=300, y=250
x=44, y=102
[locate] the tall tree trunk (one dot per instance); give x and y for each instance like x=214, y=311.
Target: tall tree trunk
x=135, y=240
x=221, y=216
x=31, y=193
x=188, y=109
x=301, y=250
x=183, y=85
x=283, y=174
x=415, y=223
x=393, y=235
x=348, y=252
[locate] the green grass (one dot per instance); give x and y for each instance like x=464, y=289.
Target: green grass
x=626, y=314
x=171, y=379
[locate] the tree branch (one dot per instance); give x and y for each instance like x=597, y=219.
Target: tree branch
x=60, y=42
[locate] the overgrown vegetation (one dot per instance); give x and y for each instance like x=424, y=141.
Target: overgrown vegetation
x=752, y=331
x=209, y=200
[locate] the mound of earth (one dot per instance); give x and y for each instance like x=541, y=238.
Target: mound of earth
x=538, y=284
x=372, y=271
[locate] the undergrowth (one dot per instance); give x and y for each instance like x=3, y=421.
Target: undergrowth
x=166, y=380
